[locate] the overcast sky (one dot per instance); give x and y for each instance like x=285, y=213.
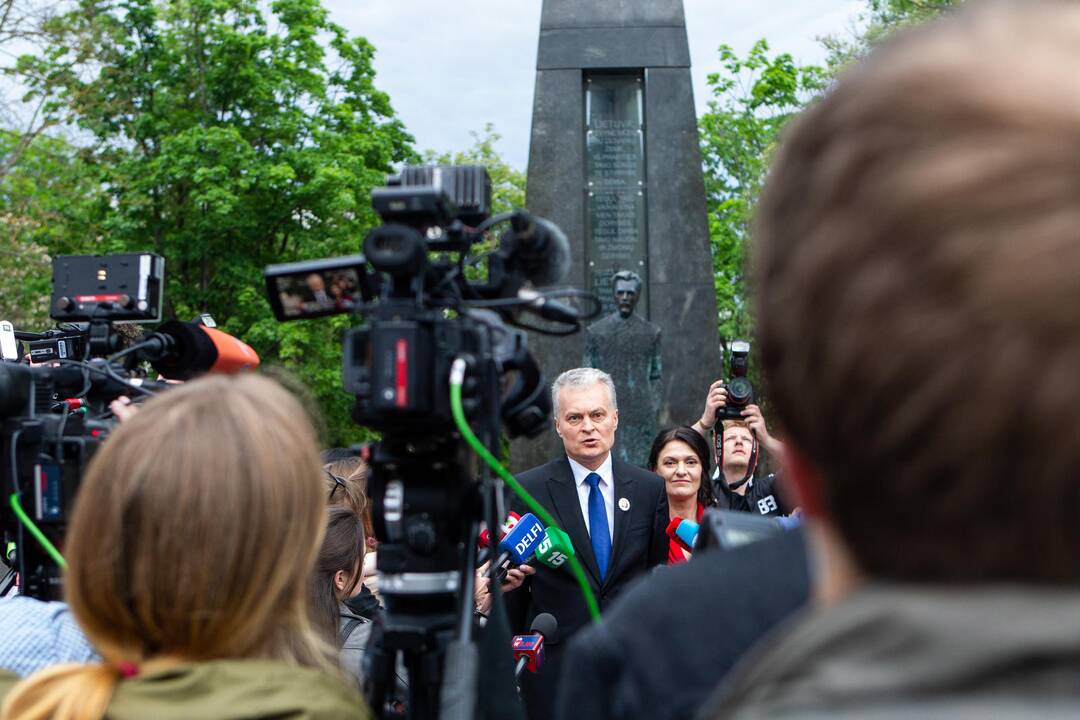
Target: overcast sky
x=451, y=66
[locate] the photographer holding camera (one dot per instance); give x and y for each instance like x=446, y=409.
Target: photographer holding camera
x=742, y=433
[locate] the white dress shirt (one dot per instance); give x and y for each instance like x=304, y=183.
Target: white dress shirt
x=607, y=489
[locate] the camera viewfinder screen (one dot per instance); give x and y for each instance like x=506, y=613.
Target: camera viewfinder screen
x=318, y=293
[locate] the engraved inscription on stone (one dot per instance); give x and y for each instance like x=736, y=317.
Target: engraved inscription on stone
x=615, y=182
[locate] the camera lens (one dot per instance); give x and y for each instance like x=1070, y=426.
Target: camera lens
x=739, y=391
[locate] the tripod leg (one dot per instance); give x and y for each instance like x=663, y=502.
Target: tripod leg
x=380, y=684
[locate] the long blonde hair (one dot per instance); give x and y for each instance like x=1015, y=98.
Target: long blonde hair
x=192, y=538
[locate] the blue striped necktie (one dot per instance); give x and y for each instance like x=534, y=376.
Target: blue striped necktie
x=598, y=524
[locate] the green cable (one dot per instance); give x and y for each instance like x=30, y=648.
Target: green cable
x=457, y=378
x=40, y=536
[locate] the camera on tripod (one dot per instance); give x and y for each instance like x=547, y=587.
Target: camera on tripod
x=51, y=411
x=54, y=411
x=740, y=392
x=421, y=315
x=421, y=312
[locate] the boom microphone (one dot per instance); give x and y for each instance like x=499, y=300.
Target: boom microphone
x=549, y=309
x=182, y=350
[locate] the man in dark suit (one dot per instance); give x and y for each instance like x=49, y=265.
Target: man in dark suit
x=615, y=514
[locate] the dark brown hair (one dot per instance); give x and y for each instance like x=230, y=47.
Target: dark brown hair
x=681, y=433
x=917, y=271
x=342, y=549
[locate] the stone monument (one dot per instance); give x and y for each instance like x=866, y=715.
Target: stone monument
x=627, y=346
x=614, y=161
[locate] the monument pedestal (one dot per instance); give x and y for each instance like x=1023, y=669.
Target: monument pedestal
x=614, y=161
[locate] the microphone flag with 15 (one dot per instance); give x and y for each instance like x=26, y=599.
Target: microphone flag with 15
x=555, y=548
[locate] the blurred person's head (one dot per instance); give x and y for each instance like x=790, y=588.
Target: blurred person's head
x=586, y=414
x=916, y=261
x=192, y=538
x=337, y=568
x=680, y=456
x=315, y=283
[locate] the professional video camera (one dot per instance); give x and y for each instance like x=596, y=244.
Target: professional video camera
x=740, y=392
x=421, y=317
x=54, y=412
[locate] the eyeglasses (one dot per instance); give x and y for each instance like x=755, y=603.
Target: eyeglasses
x=338, y=483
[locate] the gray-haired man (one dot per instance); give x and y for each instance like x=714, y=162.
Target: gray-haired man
x=615, y=514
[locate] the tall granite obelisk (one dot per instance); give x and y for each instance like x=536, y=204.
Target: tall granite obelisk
x=614, y=161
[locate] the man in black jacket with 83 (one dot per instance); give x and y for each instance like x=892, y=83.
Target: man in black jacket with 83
x=615, y=514
x=738, y=484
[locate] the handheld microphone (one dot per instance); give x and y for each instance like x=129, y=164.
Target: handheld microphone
x=485, y=537
x=684, y=532
x=529, y=649
x=181, y=350
x=519, y=544
x=521, y=541
x=788, y=522
x=555, y=548
x=541, y=250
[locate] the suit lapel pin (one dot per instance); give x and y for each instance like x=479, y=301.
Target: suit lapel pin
x=624, y=504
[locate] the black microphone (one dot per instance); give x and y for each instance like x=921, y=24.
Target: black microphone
x=547, y=308
x=541, y=250
x=182, y=350
x=545, y=624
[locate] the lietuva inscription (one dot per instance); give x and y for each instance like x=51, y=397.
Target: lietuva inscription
x=615, y=233
x=614, y=161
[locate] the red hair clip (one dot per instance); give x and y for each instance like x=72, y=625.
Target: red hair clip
x=126, y=668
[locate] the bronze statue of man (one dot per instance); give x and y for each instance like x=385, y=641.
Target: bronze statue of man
x=627, y=346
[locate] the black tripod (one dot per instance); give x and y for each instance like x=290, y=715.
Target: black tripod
x=428, y=508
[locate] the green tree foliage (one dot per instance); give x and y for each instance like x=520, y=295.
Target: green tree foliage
x=225, y=139
x=51, y=202
x=752, y=98
x=878, y=21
